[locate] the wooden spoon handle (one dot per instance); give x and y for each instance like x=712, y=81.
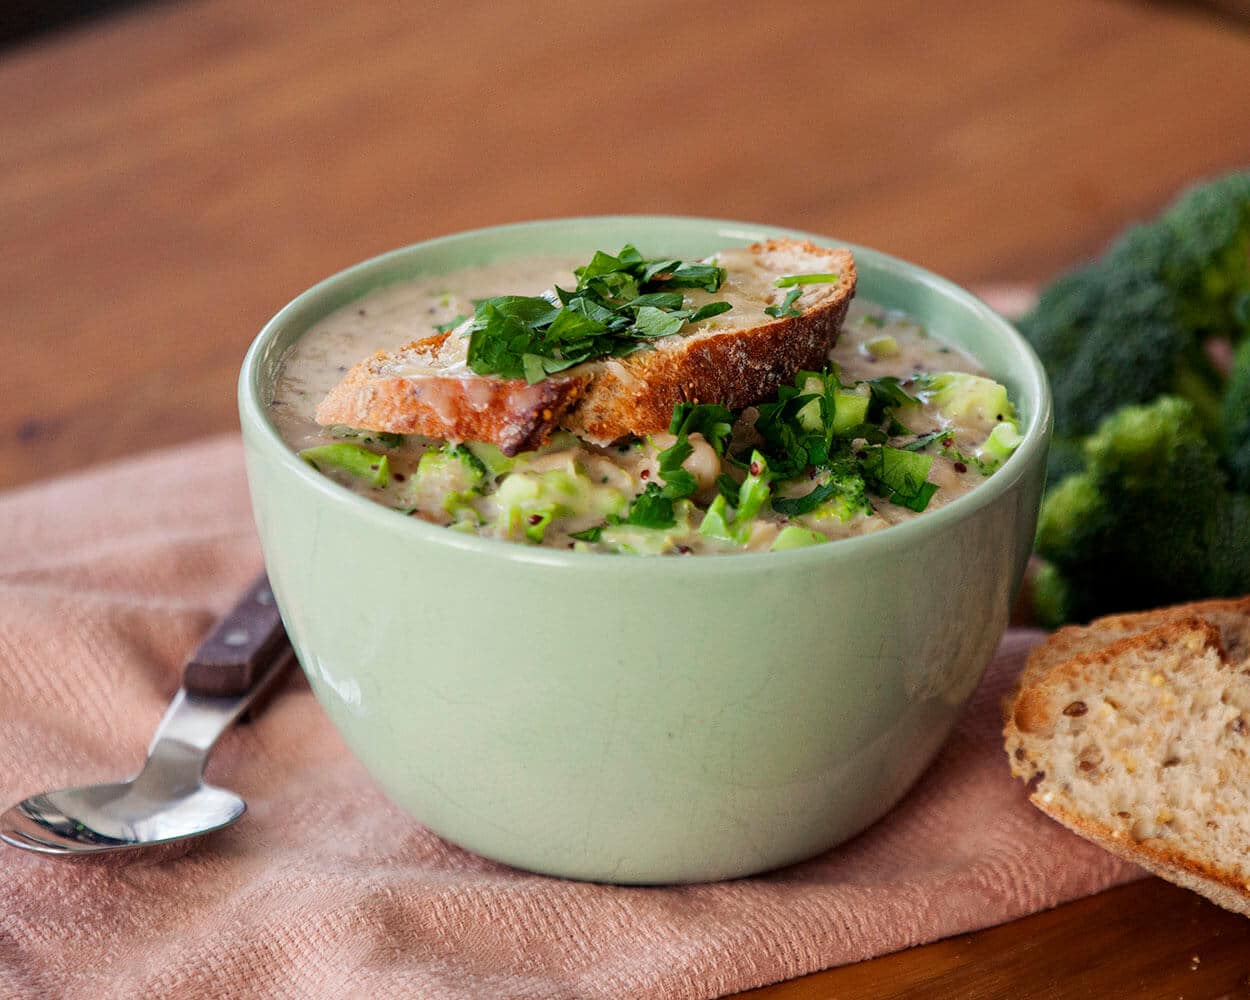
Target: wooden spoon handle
x=233, y=657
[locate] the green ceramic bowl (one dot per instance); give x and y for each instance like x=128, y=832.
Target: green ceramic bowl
x=642, y=720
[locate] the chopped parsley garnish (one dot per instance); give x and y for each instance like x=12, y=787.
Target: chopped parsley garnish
x=790, y=280
x=946, y=445
x=451, y=324
x=798, y=429
x=808, y=502
x=786, y=307
x=924, y=440
x=713, y=421
x=653, y=507
x=620, y=303
x=727, y=487
x=899, y=475
x=385, y=438
x=887, y=394
x=817, y=429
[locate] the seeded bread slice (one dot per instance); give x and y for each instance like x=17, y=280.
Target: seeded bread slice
x=1231, y=617
x=739, y=358
x=1142, y=747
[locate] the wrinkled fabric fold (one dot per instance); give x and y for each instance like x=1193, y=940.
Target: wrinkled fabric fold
x=324, y=889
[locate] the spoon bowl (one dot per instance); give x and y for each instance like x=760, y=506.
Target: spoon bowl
x=168, y=800
x=115, y=817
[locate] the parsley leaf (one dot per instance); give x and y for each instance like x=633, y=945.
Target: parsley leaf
x=709, y=310
x=713, y=421
x=621, y=302
x=727, y=487
x=806, y=503
x=924, y=440
x=451, y=324
x=786, y=308
x=678, y=481
x=653, y=322
x=651, y=509
x=790, y=280
x=709, y=277
x=887, y=394
x=899, y=475
x=661, y=300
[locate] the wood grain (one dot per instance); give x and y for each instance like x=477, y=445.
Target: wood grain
x=172, y=176
x=1146, y=940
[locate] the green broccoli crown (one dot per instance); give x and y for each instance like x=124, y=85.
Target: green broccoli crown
x=1108, y=336
x=1236, y=418
x=1140, y=512
x=1134, y=324
x=1132, y=445
x=1052, y=596
x=1208, y=267
x=1138, y=526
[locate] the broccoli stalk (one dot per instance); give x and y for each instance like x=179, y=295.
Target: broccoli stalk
x=753, y=494
x=352, y=460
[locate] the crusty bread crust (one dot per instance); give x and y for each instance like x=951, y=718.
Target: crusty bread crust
x=1073, y=640
x=1222, y=887
x=404, y=392
x=511, y=413
x=737, y=368
x=1031, y=712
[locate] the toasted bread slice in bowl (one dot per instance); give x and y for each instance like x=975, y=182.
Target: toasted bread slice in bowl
x=425, y=387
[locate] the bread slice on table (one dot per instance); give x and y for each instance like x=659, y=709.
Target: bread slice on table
x=737, y=358
x=1143, y=747
x=1231, y=617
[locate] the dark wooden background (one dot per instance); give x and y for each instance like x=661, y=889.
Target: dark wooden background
x=171, y=175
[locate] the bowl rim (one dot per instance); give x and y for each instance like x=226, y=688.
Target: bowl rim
x=1031, y=451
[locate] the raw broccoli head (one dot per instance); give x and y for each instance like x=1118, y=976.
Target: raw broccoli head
x=1108, y=335
x=1237, y=422
x=1132, y=325
x=1139, y=513
x=1208, y=266
x=1140, y=525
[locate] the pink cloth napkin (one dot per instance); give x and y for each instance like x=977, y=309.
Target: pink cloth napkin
x=324, y=889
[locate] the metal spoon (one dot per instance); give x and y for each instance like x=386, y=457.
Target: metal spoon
x=168, y=800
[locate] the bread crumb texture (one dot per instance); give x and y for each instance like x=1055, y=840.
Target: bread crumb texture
x=1133, y=732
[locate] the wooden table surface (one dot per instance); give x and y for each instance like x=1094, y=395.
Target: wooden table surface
x=173, y=175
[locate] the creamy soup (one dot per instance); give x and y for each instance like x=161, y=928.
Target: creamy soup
x=912, y=424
